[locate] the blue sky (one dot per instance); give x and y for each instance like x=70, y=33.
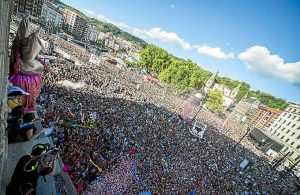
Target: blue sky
x=255, y=41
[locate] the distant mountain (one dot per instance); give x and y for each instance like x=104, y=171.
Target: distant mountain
x=107, y=27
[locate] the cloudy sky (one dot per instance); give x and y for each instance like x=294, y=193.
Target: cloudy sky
x=255, y=41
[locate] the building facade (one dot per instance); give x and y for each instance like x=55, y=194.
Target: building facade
x=52, y=13
x=32, y=7
x=264, y=117
x=94, y=34
x=80, y=28
x=69, y=19
x=286, y=128
x=246, y=109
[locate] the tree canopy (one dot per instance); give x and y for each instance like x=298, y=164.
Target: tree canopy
x=214, y=101
x=184, y=75
x=269, y=100
x=154, y=59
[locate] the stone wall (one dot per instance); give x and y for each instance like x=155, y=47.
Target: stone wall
x=5, y=14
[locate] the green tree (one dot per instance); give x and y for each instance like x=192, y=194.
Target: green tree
x=154, y=59
x=185, y=75
x=214, y=101
x=128, y=64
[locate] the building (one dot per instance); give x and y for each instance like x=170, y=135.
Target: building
x=69, y=19
x=80, y=27
x=94, y=34
x=245, y=110
x=52, y=13
x=211, y=82
x=286, y=128
x=228, y=94
x=32, y=7
x=265, y=116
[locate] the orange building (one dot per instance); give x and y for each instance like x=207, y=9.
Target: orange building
x=264, y=117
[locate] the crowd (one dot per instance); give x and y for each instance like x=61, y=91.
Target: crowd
x=120, y=135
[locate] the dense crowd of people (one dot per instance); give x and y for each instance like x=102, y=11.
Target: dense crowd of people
x=120, y=135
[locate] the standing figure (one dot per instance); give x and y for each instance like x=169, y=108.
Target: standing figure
x=26, y=70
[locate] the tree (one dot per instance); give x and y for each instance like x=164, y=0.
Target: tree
x=128, y=64
x=154, y=59
x=185, y=75
x=214, y=101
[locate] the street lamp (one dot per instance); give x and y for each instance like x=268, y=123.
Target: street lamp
x=249, y=128
x=201, y=96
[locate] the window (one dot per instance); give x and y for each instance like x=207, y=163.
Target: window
x=278, y=134
x=289, y=123
x=297, y=158
x=293, y=125
x=294, y=117
x=287, y=140
x=282, y=137
x=284, y=121
x=298, y=147
x=292, y=143
x=288, y=131
x=293, y=133
x=298, y=137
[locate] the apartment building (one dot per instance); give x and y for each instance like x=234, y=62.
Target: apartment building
x=286, y=128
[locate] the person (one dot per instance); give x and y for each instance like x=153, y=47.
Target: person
x=27, y=129
x=14, y=94
x=27, y=69
x=13, y=124
x=27, y=172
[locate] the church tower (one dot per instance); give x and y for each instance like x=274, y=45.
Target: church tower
x=235, y=91
x=211, y=82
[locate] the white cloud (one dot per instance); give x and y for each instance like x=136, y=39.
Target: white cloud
x=159, y=34
x=214, y=52
x=103, y=18
x=172, y=6
x=260, y=60
x=89, y=12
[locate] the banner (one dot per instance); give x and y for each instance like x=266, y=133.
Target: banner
x=94, y=59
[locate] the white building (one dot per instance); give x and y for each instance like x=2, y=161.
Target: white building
x=52, y=13
x=94, y=33
x=286, y=129
x=69, y=19
x=228, y=94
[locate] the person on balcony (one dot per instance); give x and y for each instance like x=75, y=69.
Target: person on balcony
x=27, y=129
x=13, y=124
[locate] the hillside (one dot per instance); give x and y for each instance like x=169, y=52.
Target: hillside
x=107, y=27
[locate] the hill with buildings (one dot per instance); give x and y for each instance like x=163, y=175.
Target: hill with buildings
x=190, y=70
x=107, y=27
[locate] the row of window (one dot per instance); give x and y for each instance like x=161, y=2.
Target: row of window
x=291, y=153
x=290, y=116
x=294, y=110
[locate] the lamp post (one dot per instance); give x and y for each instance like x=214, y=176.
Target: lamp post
x=202, y=98
x=249, y=128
